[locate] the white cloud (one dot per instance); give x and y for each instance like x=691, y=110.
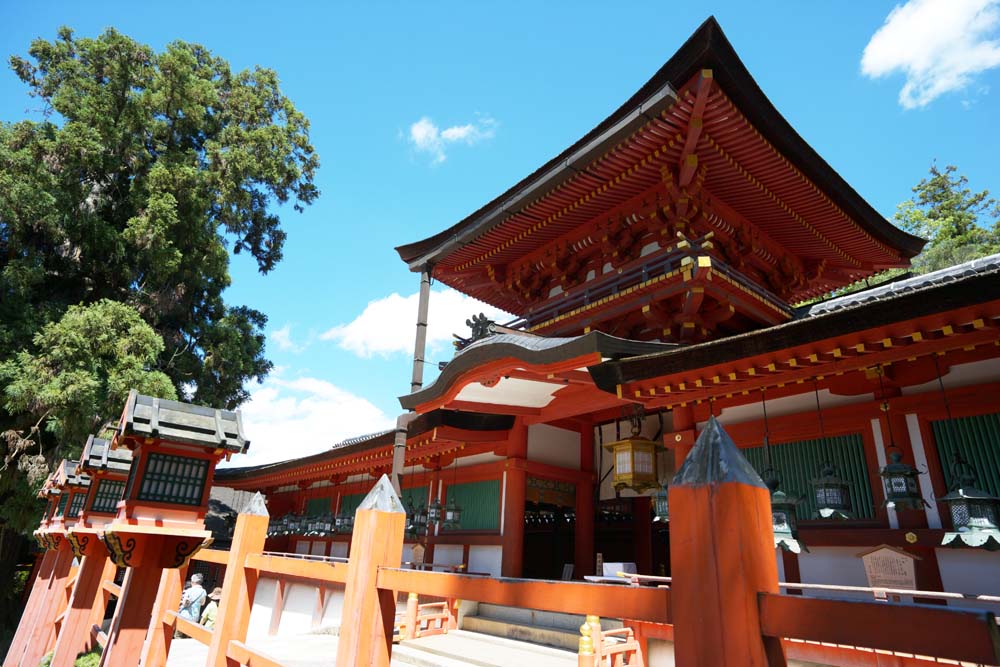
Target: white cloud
x=428, y=138
x=388, y=326
x=283, y=339
x=939, y=44
x=287, y=419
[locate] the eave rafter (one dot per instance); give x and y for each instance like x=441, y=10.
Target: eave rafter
x=425, y=449
x=868, y=349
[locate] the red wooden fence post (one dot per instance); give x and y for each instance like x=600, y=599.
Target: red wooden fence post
x=156, y=648
x=239, y=584
x=722, y=556
x=74, y=634
x=39, y=588
x=43, y=622
x=366, y=628
x=410, y=624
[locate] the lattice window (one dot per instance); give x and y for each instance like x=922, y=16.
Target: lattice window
x=109, y=492
x=76, y=506
x=61, y=509
x=173, y=479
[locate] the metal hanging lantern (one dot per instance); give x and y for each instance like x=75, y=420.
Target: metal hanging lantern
x=832, y=494
x=452, y=516
x=898, y=478
x=435, y=513
x=784, y=521
x=900, y=482
x=420, y=520
x=634, y=457
x=661, y=506
x=975, y=514
x=411, y=520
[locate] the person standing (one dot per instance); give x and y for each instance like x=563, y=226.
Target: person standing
x=192, y=599
x=212, y=608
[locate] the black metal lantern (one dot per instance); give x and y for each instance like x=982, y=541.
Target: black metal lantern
x=783, y=519
x=345, y=522
x=900, y=481
x=661, y=506
x=434, y=512
x=420, y=520
x=975, y=514
x=832, y=494
x=411, y=520
x=452, y=516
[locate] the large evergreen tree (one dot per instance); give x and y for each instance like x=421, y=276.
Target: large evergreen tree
x=126, y=199
x=959, y=224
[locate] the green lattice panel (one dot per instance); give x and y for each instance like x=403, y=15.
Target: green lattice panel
x=799, y=462
x=76, y=506
x=109, y=492
x=349, y=504
x=977, y=440
x=173, y=479
x=319, y=506
x=480, y=503
x=61, y=508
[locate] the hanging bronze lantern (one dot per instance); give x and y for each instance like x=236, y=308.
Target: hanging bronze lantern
x=661, y=506
x=832, y=494
x=634, y=458
x=452, y=516
x=975, y=514
x=783, y=519
x=900, y=482
x=434, y=513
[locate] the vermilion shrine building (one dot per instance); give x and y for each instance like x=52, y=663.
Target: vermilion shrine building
x=660, y=261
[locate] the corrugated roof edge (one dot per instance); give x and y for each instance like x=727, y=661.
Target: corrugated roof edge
x=880, y=292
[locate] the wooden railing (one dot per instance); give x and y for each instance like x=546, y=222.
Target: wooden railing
x=815, y=629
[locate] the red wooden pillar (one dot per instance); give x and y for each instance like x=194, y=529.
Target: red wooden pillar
x=43, y=621
x=583, y=529
x=515, y=495
x=722, y=557
x=39, y=589
x=239, y=585
x=135, y=606
x=156, y=648
x=366, y=629
x=86, y=599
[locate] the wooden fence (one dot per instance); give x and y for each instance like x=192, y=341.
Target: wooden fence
x=829, y=631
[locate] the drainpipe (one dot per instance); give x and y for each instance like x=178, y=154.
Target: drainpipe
x=416, y=380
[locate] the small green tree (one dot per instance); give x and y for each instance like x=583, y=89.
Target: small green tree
x=78, y=378
x=959, y=224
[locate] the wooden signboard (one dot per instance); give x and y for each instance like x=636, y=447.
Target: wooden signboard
x=889, y=567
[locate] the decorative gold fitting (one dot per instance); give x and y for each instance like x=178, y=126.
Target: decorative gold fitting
x=586, y=641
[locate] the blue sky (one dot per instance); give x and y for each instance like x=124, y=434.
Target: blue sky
x=423, y=112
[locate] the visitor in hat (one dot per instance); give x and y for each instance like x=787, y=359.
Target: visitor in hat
x=212, y=608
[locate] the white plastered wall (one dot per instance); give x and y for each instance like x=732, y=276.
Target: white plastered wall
x=970, y=571
x=833, y=565
x=554, y=446
x=485, y=559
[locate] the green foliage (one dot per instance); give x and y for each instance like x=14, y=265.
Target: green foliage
x=126, y=200
x=46, y=660
x=959, y=224
x=92, y=659
x=80, y=373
